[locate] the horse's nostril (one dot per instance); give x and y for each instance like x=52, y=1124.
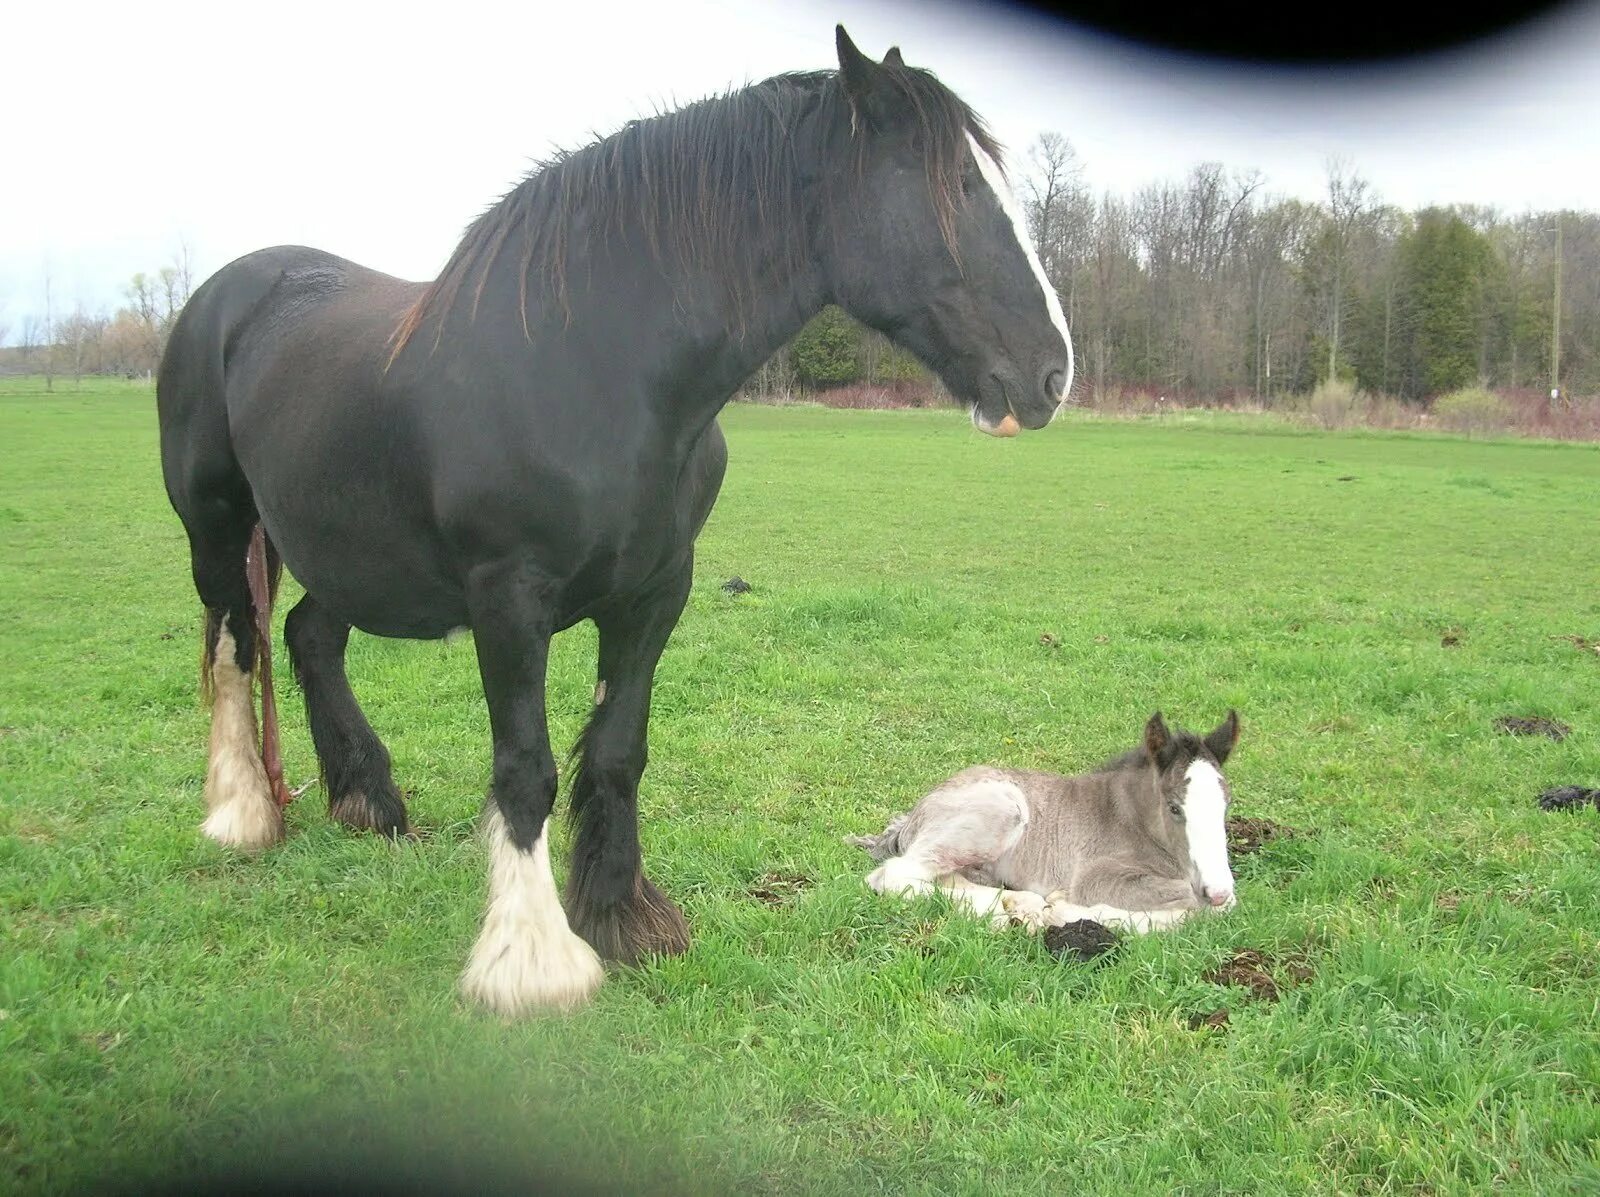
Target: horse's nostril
x=1054, y=386
x=1220, y=897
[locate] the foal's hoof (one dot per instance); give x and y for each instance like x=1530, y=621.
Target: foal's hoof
x=647, y=923
x=1020, y=908
x=384, y=814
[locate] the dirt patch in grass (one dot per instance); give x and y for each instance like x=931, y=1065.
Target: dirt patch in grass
x=1261, y=974
x=1216, y=1020
x=1084, y=940
x=1581, y=643
x=1569, y=798
x=1532, y=725
x=1249, y=835
x=779, y=889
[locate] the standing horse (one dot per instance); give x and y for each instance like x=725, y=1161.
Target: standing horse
x=530, y=441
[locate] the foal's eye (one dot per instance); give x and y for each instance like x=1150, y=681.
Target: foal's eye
x=1175, y=809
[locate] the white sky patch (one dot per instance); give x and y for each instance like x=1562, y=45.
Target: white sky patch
x=990, y=169
x=425, y=123
x=1205, y=805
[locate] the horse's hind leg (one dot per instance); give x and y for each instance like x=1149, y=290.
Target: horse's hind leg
x=355, y=764
x=242, y=812
x=959, y=827
x=610, y=901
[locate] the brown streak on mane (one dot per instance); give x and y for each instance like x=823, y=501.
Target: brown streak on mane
x=692, y=180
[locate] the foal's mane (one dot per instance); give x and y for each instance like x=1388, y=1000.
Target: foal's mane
x=1185, y=742
x=700, y=182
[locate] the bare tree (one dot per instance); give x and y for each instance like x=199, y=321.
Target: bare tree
x=1347, y=201
x=1054, y=172
x=81, y=337
x=49, y=331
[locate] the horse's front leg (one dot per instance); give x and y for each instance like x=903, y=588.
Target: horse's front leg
x=610, y=901
x=526, y=957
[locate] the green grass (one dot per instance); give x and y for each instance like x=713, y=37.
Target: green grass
x=164, y=1005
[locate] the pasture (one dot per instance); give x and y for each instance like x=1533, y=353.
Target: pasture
x=923, y=598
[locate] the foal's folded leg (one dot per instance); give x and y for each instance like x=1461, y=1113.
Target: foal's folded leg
x=1058, y=913
x=966, y=824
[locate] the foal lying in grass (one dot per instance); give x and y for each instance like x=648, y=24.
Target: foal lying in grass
x=1140, y=842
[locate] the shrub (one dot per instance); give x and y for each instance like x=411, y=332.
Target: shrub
x=1335, y=404
x=827, y=351
x=1471, y=410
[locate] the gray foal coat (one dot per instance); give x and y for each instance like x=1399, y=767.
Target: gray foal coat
x=1140, y=842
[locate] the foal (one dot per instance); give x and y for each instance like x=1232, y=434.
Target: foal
x=1140, y=842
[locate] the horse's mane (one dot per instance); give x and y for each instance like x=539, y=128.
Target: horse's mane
x=698, y=181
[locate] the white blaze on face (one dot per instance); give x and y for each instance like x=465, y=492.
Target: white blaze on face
x=1205, y=806
x=990, y=170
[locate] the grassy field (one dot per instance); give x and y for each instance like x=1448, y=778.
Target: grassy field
x=164, y=1006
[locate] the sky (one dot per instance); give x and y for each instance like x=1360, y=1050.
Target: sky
x=377, y=131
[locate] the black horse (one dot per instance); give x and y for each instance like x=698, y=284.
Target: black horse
x=531, y=440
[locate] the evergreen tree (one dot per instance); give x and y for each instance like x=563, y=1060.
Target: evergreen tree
x=827, y=351
x=1444, y=264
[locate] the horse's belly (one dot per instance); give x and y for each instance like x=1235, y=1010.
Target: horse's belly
x=384, y=595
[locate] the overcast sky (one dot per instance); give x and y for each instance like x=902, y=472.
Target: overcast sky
x=377, y=131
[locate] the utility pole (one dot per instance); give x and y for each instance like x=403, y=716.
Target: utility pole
x=1555, y=326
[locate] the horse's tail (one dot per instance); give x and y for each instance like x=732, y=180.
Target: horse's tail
x=883, y=845
x=255, y=579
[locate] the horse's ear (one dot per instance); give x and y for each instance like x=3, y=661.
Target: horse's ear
x=1226, y=734
x=855, y=68
x=863, y=83
x=1156, y=735
x=892, y=58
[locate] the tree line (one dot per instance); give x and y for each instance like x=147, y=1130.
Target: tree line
x=1203, y=287
x=1210, y=287
x=130, y=340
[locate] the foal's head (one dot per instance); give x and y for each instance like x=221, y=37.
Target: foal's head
x=929, y=247
x=1194, y=797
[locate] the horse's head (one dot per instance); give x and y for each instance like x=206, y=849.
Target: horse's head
x=930, y=248
x=1194, y=799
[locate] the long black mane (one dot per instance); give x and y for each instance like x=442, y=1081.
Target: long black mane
x=718, y=183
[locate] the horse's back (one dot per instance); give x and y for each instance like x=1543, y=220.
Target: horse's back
x=255, y=303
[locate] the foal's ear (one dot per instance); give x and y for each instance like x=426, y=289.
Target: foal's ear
x=1156, y=735
x=892, y=58
x=1224, y=737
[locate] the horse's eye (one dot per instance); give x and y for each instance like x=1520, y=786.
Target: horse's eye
x=1176, y=809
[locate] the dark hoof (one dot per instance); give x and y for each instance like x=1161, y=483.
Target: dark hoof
x=385, y=814
x=646, y=923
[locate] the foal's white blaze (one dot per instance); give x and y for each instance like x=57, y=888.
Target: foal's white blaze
x=242, y=811
x=1205, y=805
x=527, y=957
x=990, y=170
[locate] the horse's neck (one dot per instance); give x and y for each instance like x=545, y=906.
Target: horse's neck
x=723, y=344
